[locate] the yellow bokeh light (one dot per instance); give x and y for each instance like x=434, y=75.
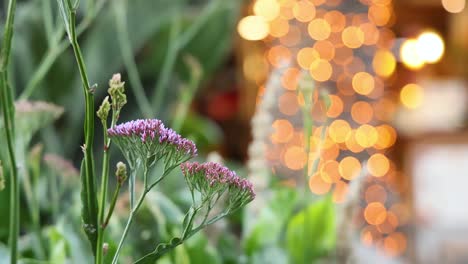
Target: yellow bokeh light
x=387, y=137
x=352, y=37
x=454, y=6
x=279, y=27
x=351, y=143
x=339, y=130
x=378, y=165
x=295, y=158
x=349, y=168
x=412, y=95
x=384, y=63
x=410, y=56
x=268, y=9
x=321, y=70
x=362, y=112
x=371, y=33
x=363, y=83
x=283, y=131
x=430, y=46
x=366, y=136
x=319, y=29
x=304, y=11
x=306, y=56
x=253, y=28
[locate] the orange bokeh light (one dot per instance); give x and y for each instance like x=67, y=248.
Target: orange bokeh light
x=306, y=56
x=290, y=78
x=375, y=213
x=378, y=165
x=279, y=55
x=325, y=49
x=352, y=37
x=336, y=106
x=363, y=83
x=318, y=186
x=336, y=19
x=288, y=104
x=319, y=29
x=339, y=130
x=320, y=70
x=283, y=131
x=366, y=136
x=295, y=158
x=304, y=11
x=362, y=112
x=349, y=168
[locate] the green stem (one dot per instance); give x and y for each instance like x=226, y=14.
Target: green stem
x=127, y=226
x=9, y=123
x=89, y=120
x=48, y=22
x=112, y=206
x=104, y=186
x=54, y=51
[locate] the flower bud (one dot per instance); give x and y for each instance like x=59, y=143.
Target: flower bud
x=104, y=109
x=105, y=248
x=117, y=92
x=121, y=172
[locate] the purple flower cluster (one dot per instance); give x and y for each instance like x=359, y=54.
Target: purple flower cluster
x=215, y=174
x=153, y=131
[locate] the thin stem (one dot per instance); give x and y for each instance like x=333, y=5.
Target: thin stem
x=89, y=179
x=112, y=206
x=104, y=186
x=55, y=50
x=9, y=123
x=48, y=22
x=129, y=61
x=127, y=226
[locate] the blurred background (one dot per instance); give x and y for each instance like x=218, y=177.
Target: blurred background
x=387, y=150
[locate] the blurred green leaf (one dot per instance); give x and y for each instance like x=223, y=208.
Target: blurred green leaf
x=270, y=224
x=57, y=245
x=200, y=251
x=311, y=233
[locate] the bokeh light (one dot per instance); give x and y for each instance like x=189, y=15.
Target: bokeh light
x=454, y=6
x=412, y=95
x=410, y=56
x=430, y=47
x=253, y=28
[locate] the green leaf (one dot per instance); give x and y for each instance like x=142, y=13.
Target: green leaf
x=87, y=215
x=58, y=246
x=311, y=233
x=267, y=228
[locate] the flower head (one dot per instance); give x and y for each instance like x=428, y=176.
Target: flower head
x=212, y=180
x=117, y=92
x=148, y=139
x=61, y=166
x=121, y=172
x=32, y=116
